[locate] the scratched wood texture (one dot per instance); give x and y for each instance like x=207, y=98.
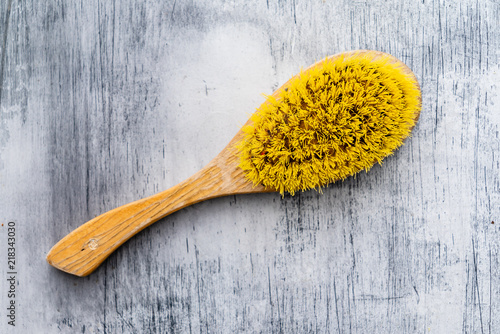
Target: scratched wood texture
x=104, y=102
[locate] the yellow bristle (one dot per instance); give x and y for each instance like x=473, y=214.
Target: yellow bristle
x=332, y=122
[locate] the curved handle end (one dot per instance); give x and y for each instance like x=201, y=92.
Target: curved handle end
x=74, y=257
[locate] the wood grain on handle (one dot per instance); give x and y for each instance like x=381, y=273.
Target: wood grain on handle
x=84, y=249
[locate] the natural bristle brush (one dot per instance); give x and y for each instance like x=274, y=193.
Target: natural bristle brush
x=334, y=119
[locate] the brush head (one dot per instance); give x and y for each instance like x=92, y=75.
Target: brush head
x=331, y=121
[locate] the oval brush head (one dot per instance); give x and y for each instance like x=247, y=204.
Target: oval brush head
x=338, y=118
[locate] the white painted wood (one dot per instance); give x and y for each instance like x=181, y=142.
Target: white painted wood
x=104, y=102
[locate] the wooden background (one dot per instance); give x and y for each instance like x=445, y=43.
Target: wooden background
x=104, y=102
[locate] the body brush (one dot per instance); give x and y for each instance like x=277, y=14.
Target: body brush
x=334, y=119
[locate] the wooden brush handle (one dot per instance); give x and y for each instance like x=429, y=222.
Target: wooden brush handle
x=84, y=249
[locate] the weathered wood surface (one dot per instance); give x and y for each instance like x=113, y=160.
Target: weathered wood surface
x=105, y=102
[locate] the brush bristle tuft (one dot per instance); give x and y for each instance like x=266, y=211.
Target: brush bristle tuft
x=333, y=121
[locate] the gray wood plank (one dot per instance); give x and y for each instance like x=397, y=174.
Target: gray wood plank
x=104, y=102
